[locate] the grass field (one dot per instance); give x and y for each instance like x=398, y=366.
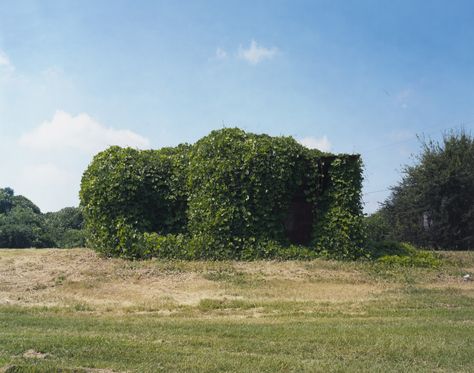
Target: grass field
x=72, y=311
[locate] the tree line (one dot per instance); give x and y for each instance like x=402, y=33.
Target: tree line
x=22, y=224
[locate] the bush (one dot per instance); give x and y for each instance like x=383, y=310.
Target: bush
x=394, y=253
x=377, y=249
x=423, y=259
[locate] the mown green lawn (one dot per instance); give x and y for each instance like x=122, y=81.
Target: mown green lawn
x=410, y=327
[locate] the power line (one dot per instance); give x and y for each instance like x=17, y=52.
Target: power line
x=422, y=131
x=377, y=191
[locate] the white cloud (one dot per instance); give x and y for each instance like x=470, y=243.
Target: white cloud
x=6, y=67
x=53, y=156
x=78, y=133
x=4, y=60
x=221, y=54
x=46, y=163
x=256, y=53
x=320, y=143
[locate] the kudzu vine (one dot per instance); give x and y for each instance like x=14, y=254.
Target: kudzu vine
x=231, y=195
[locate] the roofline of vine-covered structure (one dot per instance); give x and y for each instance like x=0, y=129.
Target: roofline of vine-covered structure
x=231, y=195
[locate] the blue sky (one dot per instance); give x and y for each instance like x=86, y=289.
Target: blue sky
x=349, y=76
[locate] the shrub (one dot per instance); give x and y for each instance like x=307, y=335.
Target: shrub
x=377, y=249
x=420, y=259
x=403, y=254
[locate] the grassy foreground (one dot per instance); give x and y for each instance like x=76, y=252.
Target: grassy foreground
x=72, y=311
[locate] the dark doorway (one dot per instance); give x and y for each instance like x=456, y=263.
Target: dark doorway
x=299, y=221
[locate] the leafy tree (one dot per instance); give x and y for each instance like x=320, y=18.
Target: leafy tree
x=433, y=205
x=21, y=222
x=24, y=203
x=66, y=227
x=6, y=197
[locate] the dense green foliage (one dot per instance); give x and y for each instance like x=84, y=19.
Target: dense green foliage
x=241, y=186
x=126, y=192
x=433, y=205
x=378, y=226
x=21, y=222
x=230, y=195
x=395, y=253
x=339, y=225
x=23, y=225
x=66, y=227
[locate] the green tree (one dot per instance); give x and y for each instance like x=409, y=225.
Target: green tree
x=377, y=227
x=23, y=225
x=21, y=222
x=66, y=227
x=433, y=205
x=6, y=200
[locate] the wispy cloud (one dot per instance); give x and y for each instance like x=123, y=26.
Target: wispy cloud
x=255, y=53
x=7, y=69
x=4, y=60
x=81, y=133
x=320, y=143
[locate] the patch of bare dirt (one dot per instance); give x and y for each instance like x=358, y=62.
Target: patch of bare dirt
x=32, y=354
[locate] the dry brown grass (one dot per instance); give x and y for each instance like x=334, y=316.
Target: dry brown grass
x=81, y=279
x=54, y=277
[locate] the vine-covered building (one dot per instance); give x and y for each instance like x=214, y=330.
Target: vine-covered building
x=232, y=194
